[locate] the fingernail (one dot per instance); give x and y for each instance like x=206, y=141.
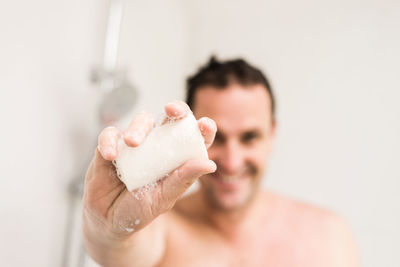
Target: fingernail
x=214, y=166
x=179, y=110
x=136, y=136
x=211, y=123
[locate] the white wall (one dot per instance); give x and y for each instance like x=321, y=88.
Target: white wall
x=47, y=114
x=335, y=69
x=152, y=48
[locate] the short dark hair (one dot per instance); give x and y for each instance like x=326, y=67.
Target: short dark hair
x=221, y=74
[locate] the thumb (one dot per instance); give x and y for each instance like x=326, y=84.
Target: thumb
x=101, y=175
x=183, y=177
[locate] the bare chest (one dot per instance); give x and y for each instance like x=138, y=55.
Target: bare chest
x=190, y=247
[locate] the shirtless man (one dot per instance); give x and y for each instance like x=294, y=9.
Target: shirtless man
x=230, y=221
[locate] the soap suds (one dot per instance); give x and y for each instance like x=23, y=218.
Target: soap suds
x=141, y=192
x=128, y=228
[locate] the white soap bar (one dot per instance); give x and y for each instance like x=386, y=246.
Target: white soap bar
x=165, y=148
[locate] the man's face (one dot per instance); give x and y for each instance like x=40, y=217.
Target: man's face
x=242, y=144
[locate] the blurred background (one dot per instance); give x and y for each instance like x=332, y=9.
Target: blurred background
x=334, y=66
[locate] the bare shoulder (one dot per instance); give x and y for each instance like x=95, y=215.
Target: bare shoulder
x=304, y=212
x=319, y=225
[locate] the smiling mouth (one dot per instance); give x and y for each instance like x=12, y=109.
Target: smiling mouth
x=230, y=178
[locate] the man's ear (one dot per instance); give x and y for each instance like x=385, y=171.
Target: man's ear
x=273, y=128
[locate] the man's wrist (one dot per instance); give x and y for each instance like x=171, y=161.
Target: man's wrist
x=101, y=235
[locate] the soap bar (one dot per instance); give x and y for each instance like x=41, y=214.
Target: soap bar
x=165, y=148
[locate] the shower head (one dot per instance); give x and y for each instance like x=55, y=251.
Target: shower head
x=117, y=102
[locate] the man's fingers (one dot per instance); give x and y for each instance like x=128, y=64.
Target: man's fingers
x=108, y=140
x=176, y=110
x=208, y=128
x=139, y=128
x=183, y=177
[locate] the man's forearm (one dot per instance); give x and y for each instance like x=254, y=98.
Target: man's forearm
x=143, y=248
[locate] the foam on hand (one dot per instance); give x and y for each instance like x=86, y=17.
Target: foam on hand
x=164, y=149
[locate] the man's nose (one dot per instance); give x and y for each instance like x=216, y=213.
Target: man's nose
x=231, y=158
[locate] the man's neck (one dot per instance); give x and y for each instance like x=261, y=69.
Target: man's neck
x=232, y=224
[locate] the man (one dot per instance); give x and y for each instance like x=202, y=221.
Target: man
x=230, y=220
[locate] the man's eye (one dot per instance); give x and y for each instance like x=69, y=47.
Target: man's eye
x=249, y=137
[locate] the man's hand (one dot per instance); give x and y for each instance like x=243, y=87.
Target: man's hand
x=111, y=214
